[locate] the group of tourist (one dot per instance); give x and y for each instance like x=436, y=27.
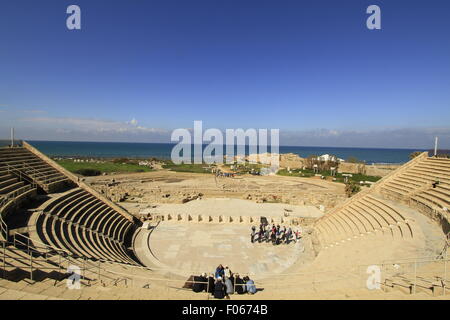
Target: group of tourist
x=274, y=234
x=222, y=283
x=224, y=174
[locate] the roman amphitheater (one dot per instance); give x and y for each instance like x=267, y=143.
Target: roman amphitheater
x=140, y=236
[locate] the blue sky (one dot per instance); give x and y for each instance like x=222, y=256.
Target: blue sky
x=139, y=69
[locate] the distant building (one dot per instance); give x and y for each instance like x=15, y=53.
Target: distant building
x=326, y=157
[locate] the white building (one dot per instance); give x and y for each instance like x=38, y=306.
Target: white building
x=327, y=157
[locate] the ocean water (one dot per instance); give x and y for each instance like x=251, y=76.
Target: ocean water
x=163, y=151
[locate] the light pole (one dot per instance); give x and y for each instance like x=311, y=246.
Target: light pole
x=435, y=146
x=12, y=137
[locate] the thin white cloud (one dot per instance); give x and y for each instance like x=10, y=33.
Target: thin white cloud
x=91, y=125
x=133, y=122
x=376, y=138
x=81, y=129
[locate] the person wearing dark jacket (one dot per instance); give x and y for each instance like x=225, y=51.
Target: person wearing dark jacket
x=204, y=280
x=220, y=272
x=273, y=236
x=253, y=234
x=219, y=289
x=239, y=287
x=211, y=284
x=199, y=283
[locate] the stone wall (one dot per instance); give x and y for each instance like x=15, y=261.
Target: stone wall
x=249, y=220
x=379, y=170
x=346, y=167
x=292, y=161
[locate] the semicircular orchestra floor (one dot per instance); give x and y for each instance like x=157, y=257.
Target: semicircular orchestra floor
x=195, y=248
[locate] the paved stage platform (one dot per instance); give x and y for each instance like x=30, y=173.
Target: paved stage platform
x=196, y=248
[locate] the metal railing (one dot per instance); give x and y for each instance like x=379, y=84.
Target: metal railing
x=4, y=231
x=96, y=273
x=22, y=174
x=33, y=245
x=427, y=273
x=13, y=196
x=37, y=253
x=26, y=172
x=45, y=258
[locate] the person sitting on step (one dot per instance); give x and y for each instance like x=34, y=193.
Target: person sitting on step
x=229, y=286
x=200, y=283
x=211, y=283
x=219, y=289
x=239, y=284
x=250, y=285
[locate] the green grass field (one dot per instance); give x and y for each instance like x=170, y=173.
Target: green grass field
x=106, y=167
x=204, y=168
x=194, y=168
x=339, y=178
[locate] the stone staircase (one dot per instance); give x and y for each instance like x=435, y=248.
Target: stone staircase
x=20, y=159
x=13, y=192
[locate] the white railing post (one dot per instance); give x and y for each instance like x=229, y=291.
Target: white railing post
x=31, y=267
x=167, y=286
x=84, y=269
x=415, y=276
x=4, y=259
x=445, y=274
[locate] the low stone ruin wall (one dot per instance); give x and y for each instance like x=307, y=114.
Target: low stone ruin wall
x=248, y=220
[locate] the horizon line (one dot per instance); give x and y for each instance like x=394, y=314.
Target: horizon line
x=174, y=143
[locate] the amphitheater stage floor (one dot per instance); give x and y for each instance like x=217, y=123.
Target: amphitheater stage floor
x=195, y=248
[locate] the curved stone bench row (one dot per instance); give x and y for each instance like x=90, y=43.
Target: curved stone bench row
x=369, y=216
x=427, y=172
x=366, y=217
x=424, y=194
x=11, y=187
x=433, y=169
x=33, y=166
x=432, y=200
x=60, y=234
x=12, y=194
x=397, y=188
x=430, y=175
x=80, y=223
x=441, y=163
x=417, y=181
